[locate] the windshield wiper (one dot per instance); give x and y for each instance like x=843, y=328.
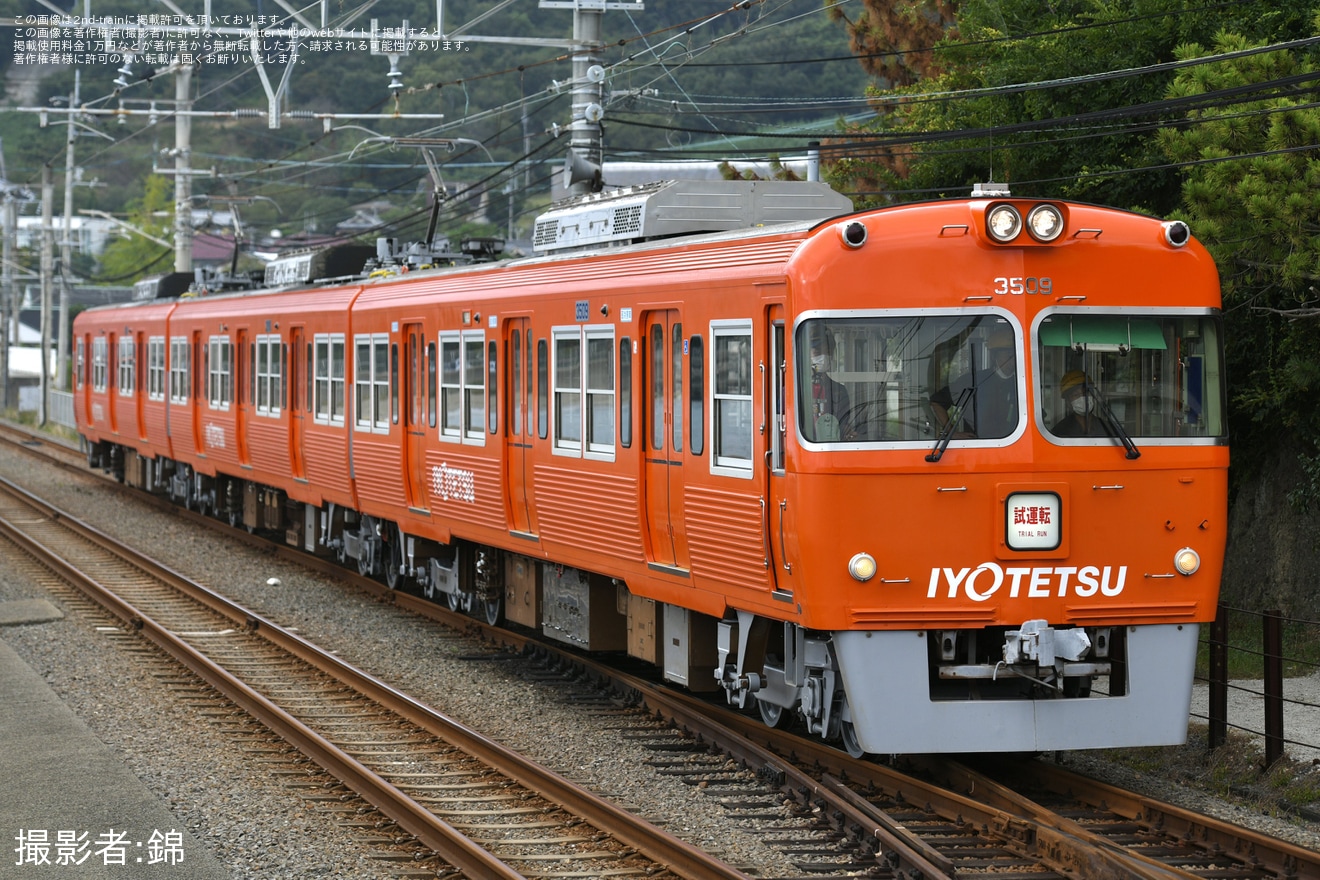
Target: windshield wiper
x=1113, y=421
x=954, y=416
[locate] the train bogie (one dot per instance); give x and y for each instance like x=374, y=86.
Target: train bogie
x=939, y=477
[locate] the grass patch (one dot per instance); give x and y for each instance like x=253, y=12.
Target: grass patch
x=1234, y=772
x=28, y=419
x=1246, y=648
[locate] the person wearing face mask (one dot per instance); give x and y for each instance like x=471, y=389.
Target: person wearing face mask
x=984, y=402
x=1079, y=416
x=828, y=403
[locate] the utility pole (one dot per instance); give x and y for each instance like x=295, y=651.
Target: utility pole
x=47, y=270
x=585, y=132
x=182, y=171
x=66, y=245
x=585, y=150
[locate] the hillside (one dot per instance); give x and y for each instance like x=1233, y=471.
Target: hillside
x=682, y=76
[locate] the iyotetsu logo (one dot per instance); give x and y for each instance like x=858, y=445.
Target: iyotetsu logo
x=990, y=579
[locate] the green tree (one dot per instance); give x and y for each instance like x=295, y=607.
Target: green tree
x=1251, y=191
x=134, y=257
x=1053, y=98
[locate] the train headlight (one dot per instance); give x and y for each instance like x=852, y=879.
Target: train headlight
x=1003, y=222
x=853, y=233
x=862, y=567
x=1187, y=561
x=1177, y=233
x=1045, y=223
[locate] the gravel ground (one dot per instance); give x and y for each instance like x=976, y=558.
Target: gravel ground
x=261, y=830
x=253, y=825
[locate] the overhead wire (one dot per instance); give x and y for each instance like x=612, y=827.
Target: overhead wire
x=658, y=60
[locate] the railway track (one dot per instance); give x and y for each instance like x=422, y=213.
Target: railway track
x=1007, y=817
x=936, y=818
x=481, y=808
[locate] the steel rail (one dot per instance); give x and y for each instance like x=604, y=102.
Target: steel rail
x=1259, y=850
x=654, y=843
x=1264, y=852
x=433, y=832
x=1037, y=837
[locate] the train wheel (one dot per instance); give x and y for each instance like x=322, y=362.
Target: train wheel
x=849, y=735
x=492, y=611
x=772, y=714
x=850, y=743
x=394, y=577
x=455, y=601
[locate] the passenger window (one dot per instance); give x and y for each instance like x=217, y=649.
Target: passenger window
x=696, y=395
x=625, y=392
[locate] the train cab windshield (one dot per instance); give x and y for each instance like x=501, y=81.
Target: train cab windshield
x=908, y=378
x=931, y=379
x=1154, y=378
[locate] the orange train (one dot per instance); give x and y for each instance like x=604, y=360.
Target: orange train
x=940, y=477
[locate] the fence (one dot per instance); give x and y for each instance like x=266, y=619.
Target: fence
x=61, y=409
x=1300, y=699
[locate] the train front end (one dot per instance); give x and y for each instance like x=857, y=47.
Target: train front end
x=1005, y=477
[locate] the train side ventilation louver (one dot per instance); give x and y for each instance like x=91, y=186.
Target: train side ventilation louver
x=681, y=207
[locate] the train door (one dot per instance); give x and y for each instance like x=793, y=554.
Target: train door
x=140, y=370
x=113, y=371
x=298, y=403
x=82, y=385
x=244, y=377
x=665, y=357
x=776, y=500
x=416, y=410
x=518, y=427
x=200, y=389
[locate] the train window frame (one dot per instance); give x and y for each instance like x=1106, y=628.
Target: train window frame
x=655, y=384
x=462, y=387
x=156, y=368
x=696, y=394
x=127, y=365
x=625, y=392
x=600, y=384
x=100, y=363
x=678, y=347
x=1142, y=341
x=515, y=396
x=309, y=374
x=267, y=373
x=590, y=383
x=432, y=384
x=220, y=373
x=474, y=386
x=919, y=375
x=726, y=401
x=394, y=383
x=566, y=389
x=542, y=389
x=492, y=386
x=180, y=370
x=78, y=363
x=329, y=379
x=371, y=383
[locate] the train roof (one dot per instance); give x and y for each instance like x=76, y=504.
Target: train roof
x=673, y=208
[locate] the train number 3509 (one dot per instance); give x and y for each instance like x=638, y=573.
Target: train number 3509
x=1019, y=286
